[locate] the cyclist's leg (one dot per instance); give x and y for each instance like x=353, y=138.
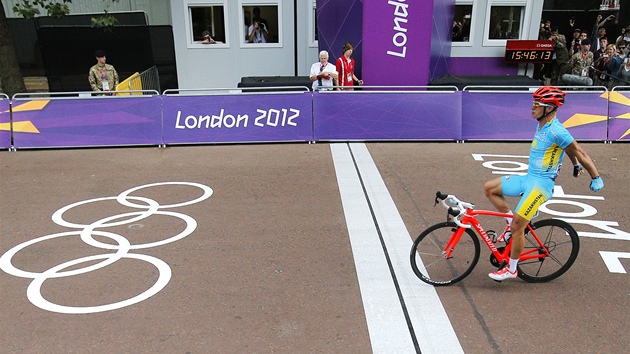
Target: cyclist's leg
x=494, y=192
x=536, y=192
x=518, y=237
x=532, y=196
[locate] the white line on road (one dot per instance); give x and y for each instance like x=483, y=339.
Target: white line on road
x=383, y=310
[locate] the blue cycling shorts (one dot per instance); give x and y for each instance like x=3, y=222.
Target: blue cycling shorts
x=534, y=191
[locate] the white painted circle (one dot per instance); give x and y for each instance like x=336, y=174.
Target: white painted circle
x=207, y=192
x=34, y=294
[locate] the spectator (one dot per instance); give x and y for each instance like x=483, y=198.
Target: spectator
x=461, y=30
x=603, y=42
x=625, y=34
x=102, y=77
x=575, y=42
x=259, y=19
x=345, y=68
x=560, y=56
x=622, y=48
x=623, y=74
x=579, y=66
x=599, y=31
x=615, y=62
x=602, y=73
x=207, y=39
x=258, y=31
x=323, y=73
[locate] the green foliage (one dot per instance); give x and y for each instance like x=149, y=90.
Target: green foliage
x=30, y=8
x=106, y=21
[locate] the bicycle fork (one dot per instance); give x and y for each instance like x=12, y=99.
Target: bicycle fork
x=447, y=252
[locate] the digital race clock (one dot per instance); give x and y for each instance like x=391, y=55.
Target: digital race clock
x=528, y=51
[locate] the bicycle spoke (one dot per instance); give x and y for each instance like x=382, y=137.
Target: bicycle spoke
x=557, y=245
x=429, y=262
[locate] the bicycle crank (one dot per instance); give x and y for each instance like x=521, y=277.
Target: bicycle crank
x=493, y=260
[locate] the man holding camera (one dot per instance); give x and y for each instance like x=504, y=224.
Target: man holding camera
x=258, y=31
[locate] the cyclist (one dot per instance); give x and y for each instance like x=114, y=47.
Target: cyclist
x=549, y=145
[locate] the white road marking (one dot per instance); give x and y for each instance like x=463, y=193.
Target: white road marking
x=613, y=261
x=383, y=310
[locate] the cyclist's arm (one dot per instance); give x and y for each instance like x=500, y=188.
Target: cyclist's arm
x=578, y=155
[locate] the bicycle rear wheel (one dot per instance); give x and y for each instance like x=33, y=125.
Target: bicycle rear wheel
x=430, y=265
x=563, y=244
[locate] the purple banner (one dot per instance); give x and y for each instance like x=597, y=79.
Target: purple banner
x=83, y=122
x=396, y=42
x=5, y=122
x=507, y=116
x=619, y=124
x=443, y=13
x=387, y=116
x=339, y=22
x=238, y=118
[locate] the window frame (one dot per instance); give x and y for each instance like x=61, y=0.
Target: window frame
x=525, y=5
x=190, y=38
x=471, y=37
x=241, y=21
x=312, y=32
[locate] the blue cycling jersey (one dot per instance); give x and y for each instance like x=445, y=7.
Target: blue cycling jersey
x=547, y=150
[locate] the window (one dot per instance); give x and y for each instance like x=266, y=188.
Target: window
x=207, y=26
x=461, y=23
x=261, y=25
x=505, y=22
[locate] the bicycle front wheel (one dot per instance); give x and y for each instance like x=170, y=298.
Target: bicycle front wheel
x=563, y=244
x=429, y=262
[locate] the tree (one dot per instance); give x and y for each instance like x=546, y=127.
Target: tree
x=11, y=80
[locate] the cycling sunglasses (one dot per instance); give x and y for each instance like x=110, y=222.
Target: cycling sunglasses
x=539, y=104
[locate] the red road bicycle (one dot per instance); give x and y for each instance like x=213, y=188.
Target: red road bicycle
x=447, y=252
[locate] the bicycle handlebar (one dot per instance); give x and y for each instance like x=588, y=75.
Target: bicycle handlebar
x=456, y=208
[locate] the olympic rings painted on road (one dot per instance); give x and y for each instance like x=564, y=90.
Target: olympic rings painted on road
x=122, y=247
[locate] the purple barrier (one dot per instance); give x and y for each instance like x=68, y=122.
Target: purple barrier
x=84, y=122
x=238, y=118
x=5, y=123
x=619, y=112
x=507, y=116
x=387, y=116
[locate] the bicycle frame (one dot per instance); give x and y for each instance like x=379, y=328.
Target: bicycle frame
x=470, y=218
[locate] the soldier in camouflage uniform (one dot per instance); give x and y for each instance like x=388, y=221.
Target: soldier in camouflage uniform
x=102, y=76
x=581, y=61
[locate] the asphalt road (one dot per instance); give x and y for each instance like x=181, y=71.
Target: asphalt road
x=290, y=248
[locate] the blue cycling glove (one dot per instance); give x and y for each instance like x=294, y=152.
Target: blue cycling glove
x=597, y=183
x=577, y=170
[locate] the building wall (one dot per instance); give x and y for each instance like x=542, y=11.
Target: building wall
x=223, y=65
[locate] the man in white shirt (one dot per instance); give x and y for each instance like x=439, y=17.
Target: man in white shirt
x=257, y=32
x=323, y=73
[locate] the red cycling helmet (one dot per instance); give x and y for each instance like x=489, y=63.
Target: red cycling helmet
x=550, y=95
